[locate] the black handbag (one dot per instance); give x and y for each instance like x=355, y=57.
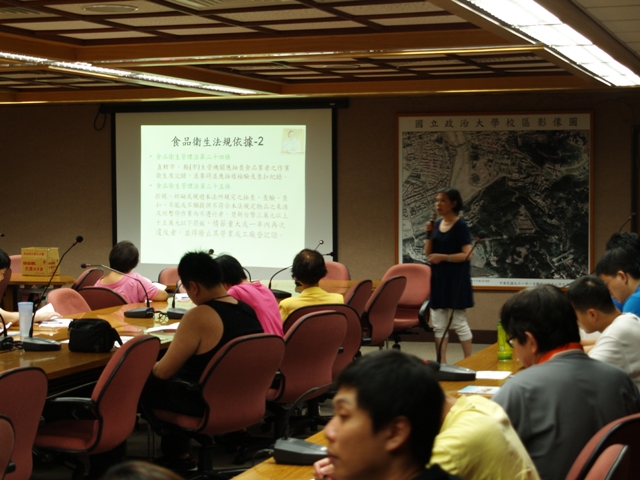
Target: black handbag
x=92, y=335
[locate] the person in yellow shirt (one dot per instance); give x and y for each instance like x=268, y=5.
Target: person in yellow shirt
x=307, y=270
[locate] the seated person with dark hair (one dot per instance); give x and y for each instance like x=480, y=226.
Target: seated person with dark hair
x=307, y=270
x=562, y=397
x=387, y=416
x=254, y=294
x=619, y=268
x=217, y=319
x=124, y=257
x=14, y=317
x=619, y=343
x=475, y=440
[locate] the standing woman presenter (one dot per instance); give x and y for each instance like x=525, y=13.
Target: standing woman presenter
x=448, y=250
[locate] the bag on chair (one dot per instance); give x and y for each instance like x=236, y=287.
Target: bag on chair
x=92, y=335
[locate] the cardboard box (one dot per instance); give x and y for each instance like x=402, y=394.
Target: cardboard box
x=39, y=260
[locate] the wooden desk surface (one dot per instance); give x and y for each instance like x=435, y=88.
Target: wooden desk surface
x=486, y=359
x=64, y=363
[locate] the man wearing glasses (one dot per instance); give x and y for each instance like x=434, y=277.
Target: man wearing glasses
x=563, y=397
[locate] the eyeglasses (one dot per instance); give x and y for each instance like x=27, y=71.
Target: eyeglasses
x=510, y=341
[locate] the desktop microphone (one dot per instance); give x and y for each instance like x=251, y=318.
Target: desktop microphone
x=176, y=313
x=454, y=372
x=631, y=217
x=6, y=343
x=278, y=293
x=433, y=218
x=37, y=344
x=1, y=234
x=144, y=312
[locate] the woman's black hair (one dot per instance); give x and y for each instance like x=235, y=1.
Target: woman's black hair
x=454, y=196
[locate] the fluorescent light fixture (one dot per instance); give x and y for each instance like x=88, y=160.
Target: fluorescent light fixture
x=534, y=22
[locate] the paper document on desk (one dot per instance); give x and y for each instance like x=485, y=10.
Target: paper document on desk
x=172, y=327
x=159, y=286
x=479, y=390
x=56, y=323
x=492, y=374
x=124, y=339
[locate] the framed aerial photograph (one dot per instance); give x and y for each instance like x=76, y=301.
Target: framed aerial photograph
x=525, y=181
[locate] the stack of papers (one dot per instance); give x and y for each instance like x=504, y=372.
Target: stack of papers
x=56, y=323
x=164, y=328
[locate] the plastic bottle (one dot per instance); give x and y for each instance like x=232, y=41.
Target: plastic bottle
x=504, y=349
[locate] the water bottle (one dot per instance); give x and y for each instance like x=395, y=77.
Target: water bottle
x=504, y=349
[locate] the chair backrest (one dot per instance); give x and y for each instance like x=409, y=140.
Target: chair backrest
x=5, y=282
x=16, y=264
x=236, y=381
x=67, y=301
x=168, y=276
x=7, y=442
x=352, y=338
x=24, y=391
x=612, y=464
x=118, y=390
x=417, y=290
x=101, y=297
x=88, y=278
x=358, y=295
x=336, y=271
x=311, y=348
x=624, y=431
x=380, y=309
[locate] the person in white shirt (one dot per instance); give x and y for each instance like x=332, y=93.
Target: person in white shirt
x=619, y=342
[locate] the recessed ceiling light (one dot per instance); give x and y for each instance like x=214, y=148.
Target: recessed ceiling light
x=111, y=8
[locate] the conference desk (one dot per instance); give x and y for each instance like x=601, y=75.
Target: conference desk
x=486, y=359
x=65, y=368
x=10, y=300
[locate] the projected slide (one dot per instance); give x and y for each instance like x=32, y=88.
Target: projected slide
x=225, y=185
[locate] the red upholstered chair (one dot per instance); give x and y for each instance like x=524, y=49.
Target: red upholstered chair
x=233, y=386
x=624, y=431
x=353, y=336
x=336, y=271
x=24, y=391
x=612, y=464
x=88, y=278
x=379, y=312
x=101, y=297
x=105, y=420
x=168, y=276
x=358, y=295
x=67, y=301
x=4, y=283
x=412, y=310
x=16, y=264
x=7, y=442
x=311, y=348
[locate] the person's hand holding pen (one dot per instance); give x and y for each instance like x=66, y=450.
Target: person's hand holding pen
x=323, y=470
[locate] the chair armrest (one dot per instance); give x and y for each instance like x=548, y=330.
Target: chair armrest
x=423, y=317
x=11, y=467
x=188, y=385
x=69, y=407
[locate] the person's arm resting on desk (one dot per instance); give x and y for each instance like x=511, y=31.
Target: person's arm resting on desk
x=198, y=323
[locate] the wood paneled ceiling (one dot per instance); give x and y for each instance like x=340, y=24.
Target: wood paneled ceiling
x=286, y=48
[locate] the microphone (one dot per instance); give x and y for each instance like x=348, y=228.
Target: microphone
x=321, y=242
x=37, y=344
x=278, y=293
x=175, y=313
x=434, y=215
x=631, y=217
x=1, y=234
x=454, y=372
x=210, y=252
x=144, y=312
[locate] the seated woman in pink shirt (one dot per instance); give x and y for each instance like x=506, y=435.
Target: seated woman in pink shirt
x=254, y=294
x=124, y=257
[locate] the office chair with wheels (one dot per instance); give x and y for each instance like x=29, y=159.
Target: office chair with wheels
x=88, y=278
x=358, y=295
x=101, y=297
x=168, y=276
x=233, y=386
x=412, y=310
x=624, y=431
x=611, y=464
x=105, y=420
x=379, y=312
x=336, y=271
x=24, y=391
x=67, y=301
x=7, y=442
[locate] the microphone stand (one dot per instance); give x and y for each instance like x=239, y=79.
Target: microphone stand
x=37, y=344
x=176, y=313
x=6, y=343
x=453, y=372
x=278, y=293
x=631, y=217
x=143, y=312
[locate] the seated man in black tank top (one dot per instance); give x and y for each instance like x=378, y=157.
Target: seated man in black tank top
x=216, y=319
